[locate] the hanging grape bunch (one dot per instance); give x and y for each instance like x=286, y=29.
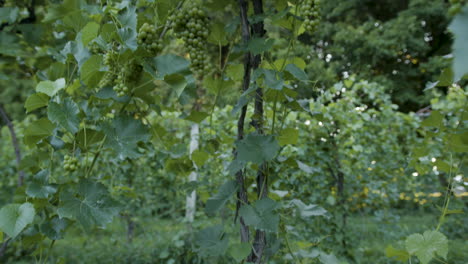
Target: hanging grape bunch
x=70, y=163
x=149, y=39
x=129, y=74
x=110, y=60
x=310, y=10
x=191, y=25
x=94, y=47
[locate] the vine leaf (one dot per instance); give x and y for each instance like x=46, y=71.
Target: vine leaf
x=65, y=115
x=397, y=254
x=211, y=241
x=91, y=205
x=259, y=45
x=167, y=64
x=297, y=72
x=288, y=136
x=39, y=187
x=257, y=148
x=51, y=88
x=123, y=134
x=54, y=228
x=215, y=203
x=38, y=130
x=15, y=217
x=425, y=246
x=308, y=210
x=239, y=251
x=36, y=101
x=261, y=215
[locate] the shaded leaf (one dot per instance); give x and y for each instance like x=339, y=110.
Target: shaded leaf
x=91, y=205
x=15, y=217
x=36, y=101
x=65, y=115
x=215, y=203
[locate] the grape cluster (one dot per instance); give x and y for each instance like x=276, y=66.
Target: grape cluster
x=110, y=60
x=130, y=73
x=191, y=25
x=94, y=48
x=70, y=163
x=310, y=9
x=456, y=6
x=107, y=80
x=148, y=38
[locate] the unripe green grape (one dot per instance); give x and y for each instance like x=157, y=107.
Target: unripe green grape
x=70, y=163
x=310, y=10
x=149, y=39
x=191, y=25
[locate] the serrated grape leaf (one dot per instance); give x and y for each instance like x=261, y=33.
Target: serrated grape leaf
x=217, y=34
x=128, y=37
x=235, y=71
x=215, y=203
x=446, y=77
x=15, y=217
x=328, y=258
x=397, y=254
x=89, y=32
x=89, y=73
x=36, y=101
x=272, y=79
x=297, y=72
x=211, y=241
x=240, y=251
x=128, y=18
x=308, y=210
x=425, y=246
x=166, y=64
x=177, y=83
x=123, y=134
x=434, y=120
x=196, y=116
x=51, y=88
x=65, y=115
x=38, y=130
x=460, y=49
x=257, y=148
x=88, y=137
x=54, y=228
x=39, y=187
x=91, y=205
x=199, y=157
x=261, y=215
x=259, y=45
x=288, y=136
x=77, y=49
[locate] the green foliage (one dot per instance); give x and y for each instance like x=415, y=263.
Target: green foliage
x=15, y=217
x=90, y=204
x=324, y=131
x=426, y=245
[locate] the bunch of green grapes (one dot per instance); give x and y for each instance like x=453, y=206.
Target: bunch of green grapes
x=310, y=10
x=149, y=39
x=191, y=25
x=70, y=163
x=129, y=74
x=94, y=47
x=456, y=6
x=110, y=60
